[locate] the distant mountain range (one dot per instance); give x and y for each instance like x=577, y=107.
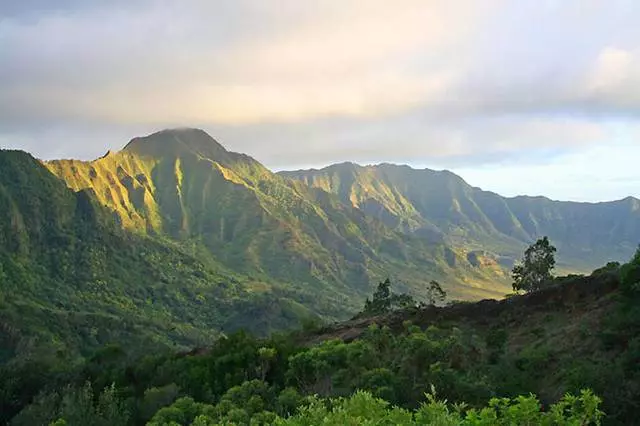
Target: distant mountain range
x=442, y=206
x=174, y=239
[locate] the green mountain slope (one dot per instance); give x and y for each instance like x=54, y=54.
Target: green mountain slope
x=72, y=280
x=174, y=239
x=182, y=184
x=439, y=204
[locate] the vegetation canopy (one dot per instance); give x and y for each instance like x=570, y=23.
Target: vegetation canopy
x=534, y=270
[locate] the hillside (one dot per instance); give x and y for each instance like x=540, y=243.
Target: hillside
x=575, y=302
x=71, y=280
x=440, y=204
x=175, y=239
x=182, y=184
x=578, y=333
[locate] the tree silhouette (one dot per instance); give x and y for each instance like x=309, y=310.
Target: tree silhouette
x=534, y=270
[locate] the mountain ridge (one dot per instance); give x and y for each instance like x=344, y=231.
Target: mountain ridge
x=484, y=220
x=442, y=202
x=176, y=231
x=356, y=165
x=72, y=280
x=185, y=185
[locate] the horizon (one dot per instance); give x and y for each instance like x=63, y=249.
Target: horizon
x=477, y=89
x=321, y=167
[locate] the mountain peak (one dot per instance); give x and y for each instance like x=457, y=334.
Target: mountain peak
x=177, y=142
x=344, y=166
x=632, y=202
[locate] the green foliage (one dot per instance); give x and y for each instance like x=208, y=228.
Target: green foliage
x=435, y=293
x=76, y=406
x=241, y=377
x=381, y=302
x=243, y=404
x=267, y=357
x=535, y=268
x=362, y=408
x=619, y=378
x=182, y=412
x=245, y=380
x=610, y=267
x=630, y=274
x=156, y=398
x=570, y=410
x=384, y=300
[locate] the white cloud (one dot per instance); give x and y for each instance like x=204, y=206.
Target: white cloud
x=598, y=173
x=352, y=58
x=616, y=77
x=294, y=83
x=245, y=62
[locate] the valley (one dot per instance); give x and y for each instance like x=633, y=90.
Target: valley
x=174, y=244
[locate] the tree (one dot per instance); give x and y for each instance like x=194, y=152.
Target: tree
x=75, y=406
x=266, y=357
x=384, y=300
x=155, y=398
x=435, y=293
x=362, y=408
x=630, y=275
x=534, y=270
x=381, y=299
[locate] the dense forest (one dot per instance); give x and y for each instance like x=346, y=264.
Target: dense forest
x=574, y=343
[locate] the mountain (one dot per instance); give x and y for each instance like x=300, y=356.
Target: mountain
x=110, y=269
x=72, y=280
x=183, y=185
x=175, y=240
x=441, y=204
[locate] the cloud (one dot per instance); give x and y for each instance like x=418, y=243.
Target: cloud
x=294, y=83
x=242, y=62
x=615, y=78
x=412, y=138
x=597, y=173
x=161, y=65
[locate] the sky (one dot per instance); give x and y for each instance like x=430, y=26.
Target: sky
x=536, y=97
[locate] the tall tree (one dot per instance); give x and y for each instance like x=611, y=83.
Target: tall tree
x=435, y=293
x=381, y=301
x=384, y=300
x=534, y=270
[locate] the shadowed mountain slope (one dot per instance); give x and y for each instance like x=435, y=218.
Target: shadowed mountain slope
x=72, y=280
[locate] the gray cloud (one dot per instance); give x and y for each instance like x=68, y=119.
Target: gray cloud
x=300, y=83
x=34, y=9
x=414, y=138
